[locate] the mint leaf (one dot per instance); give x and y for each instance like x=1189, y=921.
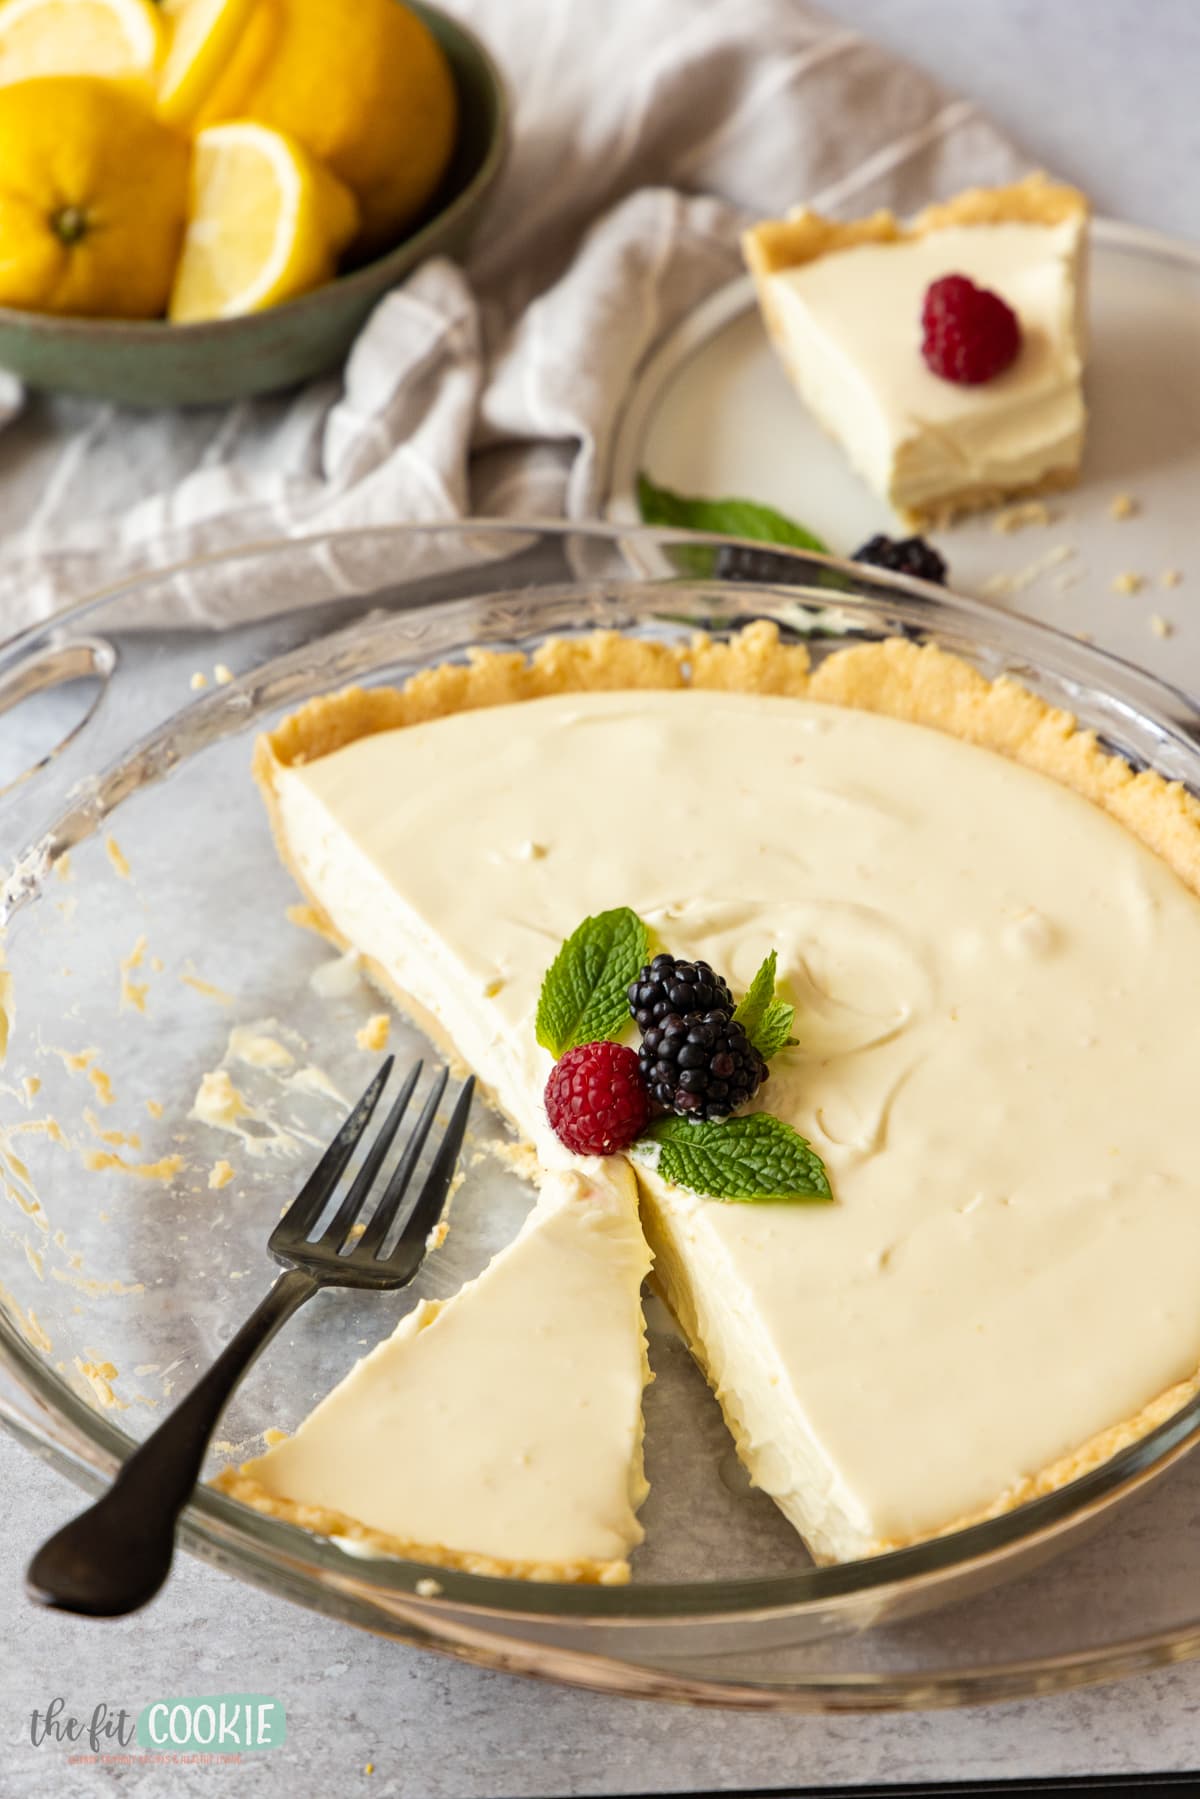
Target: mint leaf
x=731, y=518
x=583, y=996
x=774, y=1030
x=754, y=1157
x=758, y=996
x=767, y=1021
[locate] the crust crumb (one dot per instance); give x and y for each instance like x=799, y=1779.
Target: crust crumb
x=99, y=1376
x=133, y=993
x=103, y=1085
x=1019, y=518
x=374, y=1034
x=96, y=1161
x=117, y=857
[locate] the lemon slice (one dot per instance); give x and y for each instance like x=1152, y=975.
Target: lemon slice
x=202, y=36
x=119, y=39
x=267, y=222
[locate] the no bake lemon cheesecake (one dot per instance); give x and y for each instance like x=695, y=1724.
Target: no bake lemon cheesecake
x=945, y=355
x=988, y=935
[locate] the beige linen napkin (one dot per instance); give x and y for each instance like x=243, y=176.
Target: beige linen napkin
x=645, y=133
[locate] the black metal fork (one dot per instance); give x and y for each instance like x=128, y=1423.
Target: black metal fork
x=116, y=1555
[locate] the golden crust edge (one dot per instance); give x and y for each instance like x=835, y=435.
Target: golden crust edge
x=328, y=1523
x=776, y=244
x=985, y=495
x=921, y=685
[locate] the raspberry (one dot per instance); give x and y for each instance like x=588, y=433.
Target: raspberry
x=669, y=984
x=969, y=333
x=905, y=556
x=596, y=1099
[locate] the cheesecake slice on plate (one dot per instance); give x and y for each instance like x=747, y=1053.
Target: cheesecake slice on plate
x=944, y=354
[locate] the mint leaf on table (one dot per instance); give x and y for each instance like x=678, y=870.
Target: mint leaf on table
x=583, y=997
x=766, y=1019
x=729, y=518
x=751, y=1158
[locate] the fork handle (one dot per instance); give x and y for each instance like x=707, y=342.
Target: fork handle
x=115, y=1556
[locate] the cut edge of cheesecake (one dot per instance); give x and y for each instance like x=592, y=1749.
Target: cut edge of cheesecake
x=774, y=245
x=922, y=685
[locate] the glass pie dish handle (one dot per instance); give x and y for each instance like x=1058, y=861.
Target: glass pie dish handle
x=69, y=677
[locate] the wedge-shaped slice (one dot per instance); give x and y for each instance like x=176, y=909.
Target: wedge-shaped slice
x=842, y=303
x=202, y=36
x=120, y=40
x=267, y=222
x=499, y=1431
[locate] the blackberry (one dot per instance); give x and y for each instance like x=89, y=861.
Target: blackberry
x=702, y=1065
x=904, y=556
x=670, y=985
x=734, y=562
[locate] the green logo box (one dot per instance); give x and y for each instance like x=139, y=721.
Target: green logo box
x=230, y=1724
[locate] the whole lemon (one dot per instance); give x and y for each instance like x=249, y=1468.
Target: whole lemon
x=93, y=193
x=363, y=85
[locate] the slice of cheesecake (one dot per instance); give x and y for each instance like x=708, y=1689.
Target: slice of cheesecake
x=843, y=305
x=498, y=1431
x=991, y=933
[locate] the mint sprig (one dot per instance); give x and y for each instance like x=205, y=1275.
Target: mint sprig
x=766, y=1019
x=583, y=997
x=729, y=517
x=757, y=1157
x=774, y=1031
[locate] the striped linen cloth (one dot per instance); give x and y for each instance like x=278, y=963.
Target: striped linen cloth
x=645, y=135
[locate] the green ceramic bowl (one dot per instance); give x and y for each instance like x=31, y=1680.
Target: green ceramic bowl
x=156, y=364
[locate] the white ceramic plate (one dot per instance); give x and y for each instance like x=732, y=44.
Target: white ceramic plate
x=712, y=413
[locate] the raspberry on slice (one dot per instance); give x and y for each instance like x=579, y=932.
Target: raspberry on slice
x=969, y=334
x=596, y=1099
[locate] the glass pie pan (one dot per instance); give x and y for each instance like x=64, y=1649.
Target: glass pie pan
x=143, y=907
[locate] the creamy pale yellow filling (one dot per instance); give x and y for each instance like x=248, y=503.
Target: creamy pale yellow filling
x=998, y=996
x=848, y=327
x=501, y=1429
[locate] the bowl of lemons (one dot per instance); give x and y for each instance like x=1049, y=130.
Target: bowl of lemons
x=202, y=200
